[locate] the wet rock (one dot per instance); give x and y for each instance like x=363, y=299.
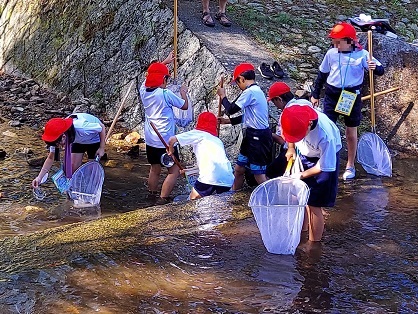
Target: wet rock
x=132, y=138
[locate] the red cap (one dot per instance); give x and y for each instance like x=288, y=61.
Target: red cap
x=155, y=74
x=295, y=122
x=55, y=127
x=207, y=122
x=343, y=30
x=241, y=68
x=278, y=89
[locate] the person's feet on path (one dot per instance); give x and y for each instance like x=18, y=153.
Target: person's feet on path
x=207, y=19
x=223, y=19
x=220, y=16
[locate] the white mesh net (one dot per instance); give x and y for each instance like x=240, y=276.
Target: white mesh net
x=373, y=155
x=278, y=206
x=86, y=185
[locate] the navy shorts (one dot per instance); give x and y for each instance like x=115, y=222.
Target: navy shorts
x=278, y=165
x=332, y=94
x=324, y=186
x=154, y=154
x=207, y=189
x=255, y=151
x=91, y=149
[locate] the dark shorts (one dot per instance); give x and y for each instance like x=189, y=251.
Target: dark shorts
x=154, y=154
x=332, y=94
x=207, y=189
x=255, y=151
x=323, y=187
x=278, y=165
x=91, y=149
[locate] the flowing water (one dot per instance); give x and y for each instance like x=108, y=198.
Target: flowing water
x=204, y=256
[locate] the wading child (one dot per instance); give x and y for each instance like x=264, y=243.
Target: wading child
x=281, y=96
x=255, y=150
x=215, y=170
x=319, y=142
x=80, y=133
x=342, y=72
x=158, y=102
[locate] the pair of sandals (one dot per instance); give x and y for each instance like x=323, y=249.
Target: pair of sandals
x=221, y=17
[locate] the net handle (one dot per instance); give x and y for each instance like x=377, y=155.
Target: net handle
x=165, y=144
x=371, y=80
x=221, y=85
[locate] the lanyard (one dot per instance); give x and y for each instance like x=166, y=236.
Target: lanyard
x=346, y=69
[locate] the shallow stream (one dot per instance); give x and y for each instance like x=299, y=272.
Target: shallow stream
x=200, y=257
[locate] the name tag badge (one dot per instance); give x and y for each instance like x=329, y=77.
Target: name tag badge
x=345, y=102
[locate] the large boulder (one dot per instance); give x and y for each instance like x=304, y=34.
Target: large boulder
x=396, y=112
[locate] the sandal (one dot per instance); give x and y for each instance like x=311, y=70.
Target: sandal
x=207, y=19
x=223, y=19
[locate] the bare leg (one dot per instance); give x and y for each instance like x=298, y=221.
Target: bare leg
x=305, y=226
x=260, y=178
x=222, y=6
x=316, y=223
x=154, y=176
x=170, y=181
x=351, y=135
x=194, y=195
x=205, y=8
x=76, y=160
x=239, y=173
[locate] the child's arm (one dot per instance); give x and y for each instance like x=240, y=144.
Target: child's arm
x=231, y=108
x=171, y=141
x=45, y=168
x=377, y=69
x=278, y=139
x=183, y=94
x=102, y=134
x=318, y=85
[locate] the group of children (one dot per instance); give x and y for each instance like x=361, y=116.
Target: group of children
x=301, y=127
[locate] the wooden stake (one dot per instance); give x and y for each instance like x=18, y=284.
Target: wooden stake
x=119, y=111
x=221, y=84
x=383, y=92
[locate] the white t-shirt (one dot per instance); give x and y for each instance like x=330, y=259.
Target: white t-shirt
x=254, y=106
x=345, y=68
x=214, y=166
x=158, y=109
x=324, y=141
x=87, y=128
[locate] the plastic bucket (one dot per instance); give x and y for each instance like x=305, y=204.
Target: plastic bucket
x=278, y=206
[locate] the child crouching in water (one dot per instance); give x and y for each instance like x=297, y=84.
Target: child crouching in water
x=215, y=170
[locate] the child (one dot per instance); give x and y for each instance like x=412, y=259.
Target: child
x=281, y=96
x=319, y=142
x=255, y=151
x=158, y=102
x=215, y=170
x=343, y=70
x=81, y=132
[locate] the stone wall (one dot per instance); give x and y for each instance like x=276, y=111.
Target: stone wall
x=92, y=50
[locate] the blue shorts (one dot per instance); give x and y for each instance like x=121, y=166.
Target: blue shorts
x=324, y=186
x=90, y=149
x=332, y=94
x=154, y=154
x=255, y=151
x=207, y=189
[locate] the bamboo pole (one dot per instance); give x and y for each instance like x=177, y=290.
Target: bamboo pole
x=221, y=84
x=371, y=79
x=119, y=111
x=383, y=92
